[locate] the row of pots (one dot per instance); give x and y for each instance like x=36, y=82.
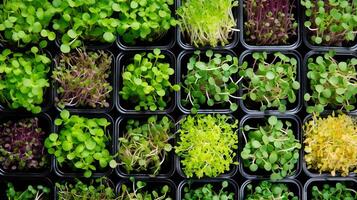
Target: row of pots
x=177, y=192
x=117, y=130
x=125, y=107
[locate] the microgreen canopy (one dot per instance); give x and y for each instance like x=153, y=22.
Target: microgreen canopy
x=32, y=192
x=146, y=81
x=201, y=139
x=144, y=146
x=82, y=78
x=23, y=21
x=272, y=147
x=340, y=191
x=23, y=79
x=207, y=22
x=332, y=83
x=81, y=143
x=210, y=80
x=139, y=190
x=269, y=190
x=331, y=23
x=207, y=191
x=270, y=22
x=146, y=20
x=328, y=144
x=271, y=81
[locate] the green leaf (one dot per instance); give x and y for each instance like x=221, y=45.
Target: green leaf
x=109, y=37
x=65, y=48
x=65, y=114
x=273, y=120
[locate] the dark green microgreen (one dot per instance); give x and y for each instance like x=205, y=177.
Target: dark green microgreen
x=209, y=81
x=23, y=79
x=272, y=147
x=332, y=83
x=208, y=191
x=81, y=143
x=32, y=192
x=271, y=81
x=269, y=191
x=146, y=81
x=337, y=192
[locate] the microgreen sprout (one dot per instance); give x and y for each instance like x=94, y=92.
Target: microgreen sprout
x=332, y=83
x=145, y=145
x=210, y=80
x=206, y=23
x=270, y=22
x=207, y=144
x=331, y=23
x=32, y=192
x=207, y=191
x=271, y=82
x=272, y=147
x=340, y=191
x=270, y=191
x=146, y=81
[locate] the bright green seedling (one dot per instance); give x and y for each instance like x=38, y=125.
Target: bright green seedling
x=271, y=81
x=146, y=81
x=331, y=23
x=23, y=79
x=97, y=189
x=328, y=192
x=38, y=192
x=207, y=145
x=207, y=191
x=269, y=191
x=81, y=143
x=138, y=190
x=145, y=145
x=272, y=148
x=146, y=20
x=87, y=20
x=332, y=83
x=26, y=22
x=209, y=81
x=207, y=23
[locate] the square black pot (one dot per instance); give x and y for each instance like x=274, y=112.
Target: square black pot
x=252, y=107
x=340, y=56
x=319, y=182
x=233, y=168
x=167, y=168
x=185, y=44
x=182, y=61
x=45, y=122
x=293, y=185
x=215, y=182
x=66, y=171
x=261, y=120
x=311, y=172
x=87, y=109
x=293, y=42
x=126, y=106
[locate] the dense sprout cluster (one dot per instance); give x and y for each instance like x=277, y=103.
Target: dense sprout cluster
x=271, y=191
x=207, y=191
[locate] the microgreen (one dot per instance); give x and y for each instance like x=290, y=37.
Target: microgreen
x=332, y=83
x=340, y=191
x=146, y=81
x=81, y=143
x=328, y=144
x=23, y=79
x=207, y=22
x=207, y=191
x=147, y=20
x=26, y=22
x=270, y=22
x=21, y=145
x=272, y=147
x=207, y=144
x=97, y=189
x=145, y=145
x=209, y=80
x=269, y=191
x=331, y=23
x=82, y=78
x=81, y=20
x=271, y=81
x=139, y=190
x=38, y=192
